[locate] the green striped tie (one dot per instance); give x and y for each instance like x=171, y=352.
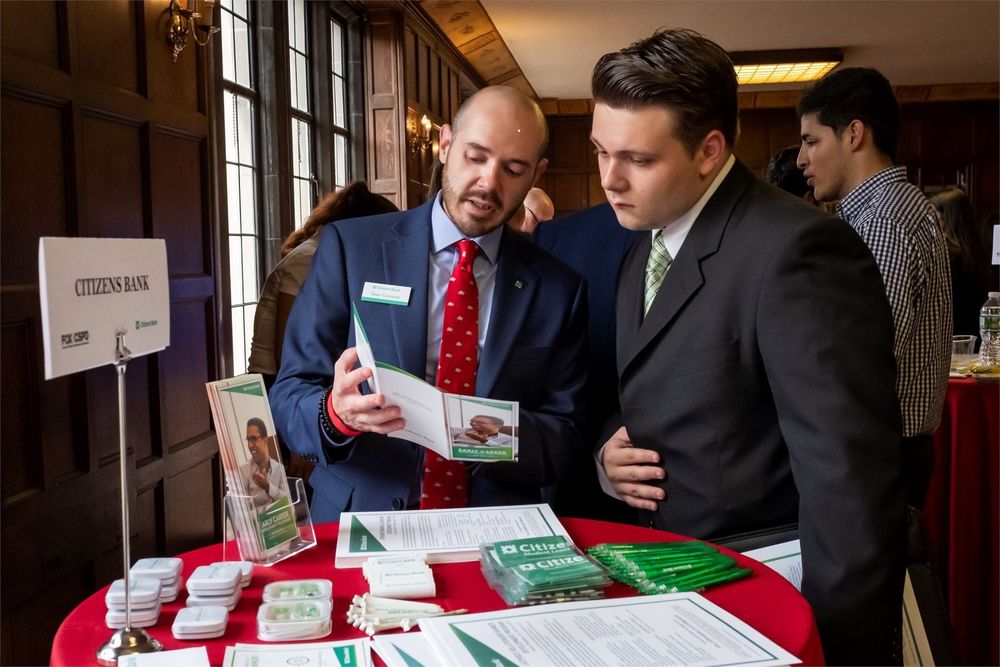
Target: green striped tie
x=656, y=267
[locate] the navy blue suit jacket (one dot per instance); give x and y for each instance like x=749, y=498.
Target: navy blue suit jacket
x=592, y=242
x=534, y=353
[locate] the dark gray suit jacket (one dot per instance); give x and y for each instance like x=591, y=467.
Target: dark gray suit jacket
x=763, y=374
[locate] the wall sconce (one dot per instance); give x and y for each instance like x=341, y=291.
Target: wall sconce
x=420, y=140
x=184, y=23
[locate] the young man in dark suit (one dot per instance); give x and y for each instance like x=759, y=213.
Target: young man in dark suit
x=524, y=335
x=754, y=347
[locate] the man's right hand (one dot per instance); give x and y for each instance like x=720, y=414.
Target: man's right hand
x=366, y=413
x=629, y=468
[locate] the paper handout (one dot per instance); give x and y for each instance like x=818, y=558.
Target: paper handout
x=457, y=427
x=674, y=629
x=442, y=536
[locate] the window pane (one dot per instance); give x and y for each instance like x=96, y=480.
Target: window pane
x=242, y=53
x=300, y=25
x=340, y=157
x=299, y=202
x=301, y=138
x=339, y=107
x=228, y=4
x=248, y=201
x=235, y=271
x=337, y=47
x=305, y=152
x=248, y=314
x=295, y=147
x=233, y=197
x=240, y=8
x=228, y=61
x=292, y=78
x=244, y=129
x=239, y=343
x=229, y=110
x=249, y=268
x=301, y=82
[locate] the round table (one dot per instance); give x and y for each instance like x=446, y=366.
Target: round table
x=962, y=515
x=764, y=600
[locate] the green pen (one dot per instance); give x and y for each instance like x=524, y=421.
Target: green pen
x=709, y=573
x=692, y=585
x=698, y=573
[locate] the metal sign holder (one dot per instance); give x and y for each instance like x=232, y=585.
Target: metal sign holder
x=127, y=640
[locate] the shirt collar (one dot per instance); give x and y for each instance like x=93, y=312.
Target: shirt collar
x=444, y=233
x=858, y=198
x=675, y=233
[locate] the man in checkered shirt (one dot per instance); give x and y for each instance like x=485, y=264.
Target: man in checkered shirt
x=850, y=125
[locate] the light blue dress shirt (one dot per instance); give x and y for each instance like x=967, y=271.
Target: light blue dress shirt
x=443, y=257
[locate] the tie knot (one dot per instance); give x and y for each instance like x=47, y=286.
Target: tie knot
x=467, y=249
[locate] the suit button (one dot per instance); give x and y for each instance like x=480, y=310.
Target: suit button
x=397, y=503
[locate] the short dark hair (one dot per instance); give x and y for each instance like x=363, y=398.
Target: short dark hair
x=679, y=69
x=496, y=421
x=259, y=423
x=783, y=171
x=856, y=93
x=354, y=200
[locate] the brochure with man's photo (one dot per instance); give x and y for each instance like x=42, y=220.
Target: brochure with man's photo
x=264, y=520
x=457, y=427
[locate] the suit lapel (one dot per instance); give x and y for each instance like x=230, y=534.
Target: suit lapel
x=684, y=278
x=629, y=300
x=513, y=293
x=405, y=255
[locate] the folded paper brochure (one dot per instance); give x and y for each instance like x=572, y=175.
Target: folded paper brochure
x=457, y=427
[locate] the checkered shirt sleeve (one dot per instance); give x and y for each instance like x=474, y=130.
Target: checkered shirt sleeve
x=901, y=230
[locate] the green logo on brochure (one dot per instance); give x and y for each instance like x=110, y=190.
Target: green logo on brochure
x=346, y=656
x=255, y=388
x=482, y=453
x=409, y=659
x=277, y=523
x=362, y=539
x=485, y=656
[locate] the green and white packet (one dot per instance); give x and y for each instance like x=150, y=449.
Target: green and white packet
x=539, y=570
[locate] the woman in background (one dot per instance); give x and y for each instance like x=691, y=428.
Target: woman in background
x=970, y=265
x=283, y=283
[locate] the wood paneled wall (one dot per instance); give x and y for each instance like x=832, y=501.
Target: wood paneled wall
x=572, y=179
x=385, y=113
x=941, y=143
x=411, y=71
x=102, y=136
x=434, y=86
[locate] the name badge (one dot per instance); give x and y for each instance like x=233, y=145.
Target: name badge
x=394, y=295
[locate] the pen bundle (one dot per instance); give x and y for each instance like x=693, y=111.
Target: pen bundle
x=540, y=570
x=668, y=567
x=373, y=614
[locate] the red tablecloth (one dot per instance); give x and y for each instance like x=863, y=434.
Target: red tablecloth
x=764, y=600
x=962, y=516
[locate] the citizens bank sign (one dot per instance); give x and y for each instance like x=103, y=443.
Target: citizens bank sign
x=93, y=289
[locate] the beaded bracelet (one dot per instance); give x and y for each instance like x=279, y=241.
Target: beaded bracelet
x=331, y=424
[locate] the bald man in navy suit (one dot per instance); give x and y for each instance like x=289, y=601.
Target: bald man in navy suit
x=532, y=326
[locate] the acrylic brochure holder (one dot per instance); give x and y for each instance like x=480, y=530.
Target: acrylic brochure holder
x=252, y=529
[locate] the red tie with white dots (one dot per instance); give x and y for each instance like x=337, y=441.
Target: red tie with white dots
x=446, y=482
